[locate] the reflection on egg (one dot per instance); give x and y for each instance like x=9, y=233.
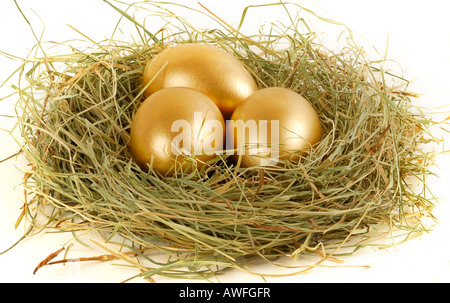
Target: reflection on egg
x=174, y=126
x=207, y=69
x=290, y=125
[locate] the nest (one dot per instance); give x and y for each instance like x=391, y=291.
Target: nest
x=359, y=183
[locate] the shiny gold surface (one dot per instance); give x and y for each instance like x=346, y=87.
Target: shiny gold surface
x=299, y=125
x=151, y=130
x=205, y=68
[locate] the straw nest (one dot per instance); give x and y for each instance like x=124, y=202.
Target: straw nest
x=360, y=182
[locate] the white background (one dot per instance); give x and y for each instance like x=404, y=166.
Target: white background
x=419, y=41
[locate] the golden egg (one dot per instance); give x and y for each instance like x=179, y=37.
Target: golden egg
x=176, y=126
x=207, y=69
x=273, y=124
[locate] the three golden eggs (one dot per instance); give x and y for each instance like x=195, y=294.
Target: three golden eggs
x=188, y=86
